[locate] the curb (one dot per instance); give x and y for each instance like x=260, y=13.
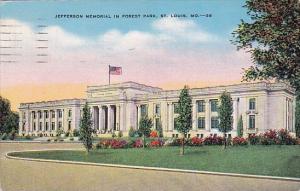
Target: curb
x=145, y=168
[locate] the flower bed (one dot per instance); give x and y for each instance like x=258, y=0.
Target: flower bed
x=156, y=143
x=195, y=141
x=213, y=140
x=239, y=141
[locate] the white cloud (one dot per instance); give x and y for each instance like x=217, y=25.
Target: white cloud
x=143, y=55
x=63, y=38
x=183, y=29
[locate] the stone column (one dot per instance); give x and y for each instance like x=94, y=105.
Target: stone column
x=235, y=114
x=44, y=120
x=207, y=115
x=63, y=119
x=56, y=120
x=122, y=117
x=108, y=118
x=194, y=116
x=31, y=122
x=37, y=127
x=138, y=115
x=117, y=117
x=100, y=119
x=170, y=117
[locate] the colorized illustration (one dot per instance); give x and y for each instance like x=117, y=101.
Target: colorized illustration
x=150, y=95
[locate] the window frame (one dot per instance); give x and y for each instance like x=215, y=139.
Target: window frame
x=202, y=119
x=200, y=106
x=214, y=107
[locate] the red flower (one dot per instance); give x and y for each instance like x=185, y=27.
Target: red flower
x=153, y=134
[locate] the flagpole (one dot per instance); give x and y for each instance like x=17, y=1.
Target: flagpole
x=108, y=74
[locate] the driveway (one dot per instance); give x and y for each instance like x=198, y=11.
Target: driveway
x=19, y=175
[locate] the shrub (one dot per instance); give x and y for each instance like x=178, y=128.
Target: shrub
x=157, y=143
x=131, y=132
x=4, y=136
x=214, y=140
x=61, y=140
x=195, y=141
x=269, y=138
x=120, y=134
x=59, y=132
x=285, y=138
x=55, y=140
x=253, y=139
x=118, y=144
x=137, y=143
x=153, y=134
x=113, y=135
x=68, y=134
x=27, y=137
x=239, y=141
x=48, y=140
x=72, y=139
x=104, y=144
x=159, y=129
x=75, y=133
x=40, y=134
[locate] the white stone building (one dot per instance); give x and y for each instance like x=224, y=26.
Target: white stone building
x=118, y=107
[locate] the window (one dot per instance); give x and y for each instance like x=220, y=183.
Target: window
x=40, y=126
x=59, y=113
x=252, y=104
x=46, y=126
x=144, y=110
x=46, y=114
x=34, y=126
x=214, y=122
x=40, y=114
x=214, y=105
x=53, y=114
x=70, y=113
x=53, y=126
x=251, y=121
x=69, y=125
x=201, y=106
x=33, y=113
x=201, y=122
x=176, y=107
x=59, y=125
x=157, y=109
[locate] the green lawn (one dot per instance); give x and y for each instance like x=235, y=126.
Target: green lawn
x=260, y=160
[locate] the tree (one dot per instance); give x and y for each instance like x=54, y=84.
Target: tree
x=297, y=126
x=9, y=120
x=86, y=128
x=272, y=38
x=184, y=119
x=225, y=114
x=145, y=125
x=159, y=129
x=240, y=127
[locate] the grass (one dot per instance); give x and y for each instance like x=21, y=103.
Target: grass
x=260, y=160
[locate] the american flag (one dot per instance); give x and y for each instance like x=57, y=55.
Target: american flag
x=114, y=70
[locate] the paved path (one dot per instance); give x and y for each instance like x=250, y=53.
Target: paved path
x=18, y=175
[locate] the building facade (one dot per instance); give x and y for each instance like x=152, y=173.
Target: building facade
x=119, y=107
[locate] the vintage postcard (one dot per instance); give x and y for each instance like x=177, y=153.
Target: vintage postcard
x=150, y=95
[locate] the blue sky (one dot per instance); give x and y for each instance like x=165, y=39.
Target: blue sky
x=225, y=14
x=165, y=52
